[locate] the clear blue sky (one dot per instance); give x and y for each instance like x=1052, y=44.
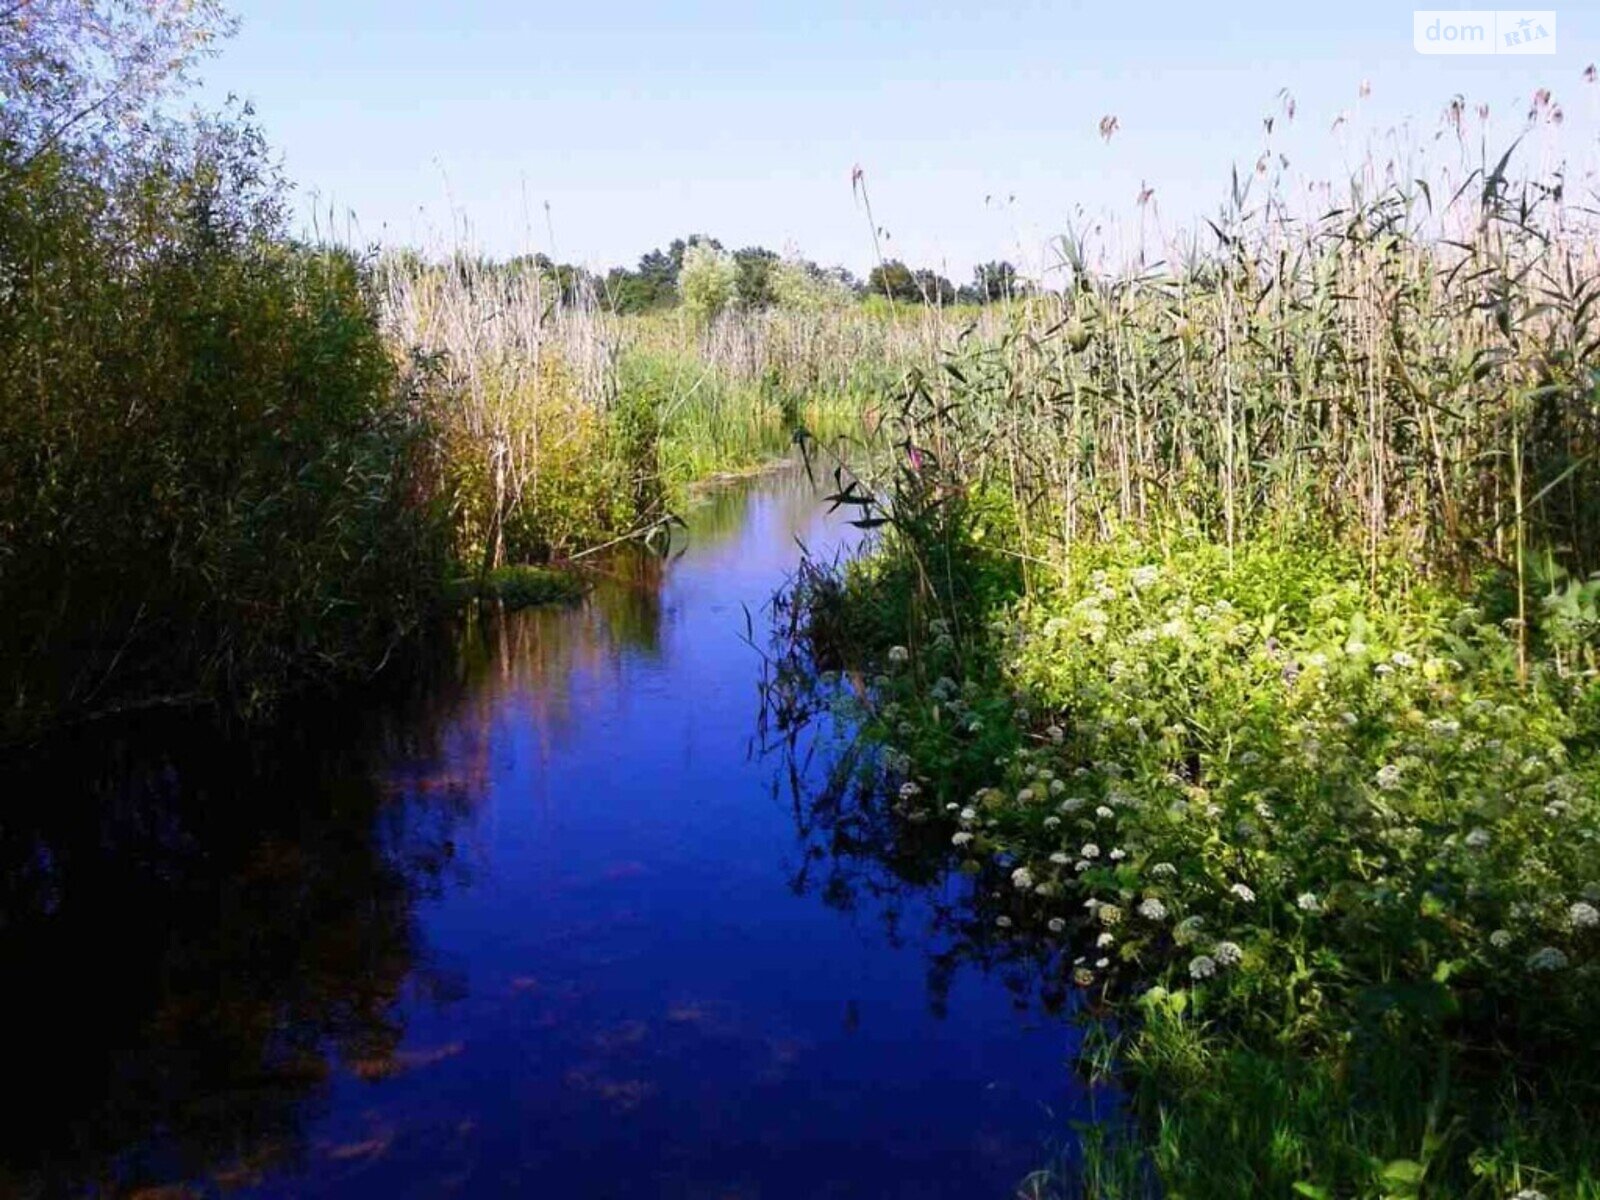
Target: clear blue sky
x=639, y=122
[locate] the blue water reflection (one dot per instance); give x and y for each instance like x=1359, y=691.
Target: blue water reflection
x=614, y=978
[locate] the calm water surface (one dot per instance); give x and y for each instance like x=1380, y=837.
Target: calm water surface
x=550, y=924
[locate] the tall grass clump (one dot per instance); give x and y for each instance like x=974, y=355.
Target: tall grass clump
x=1429, y=393
x=733, y=390
x=536, y=455
x=1231, y=617
x=562, y=423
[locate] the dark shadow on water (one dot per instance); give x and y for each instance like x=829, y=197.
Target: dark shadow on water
x=201, y=925
x=865, y=852
x=196, y=931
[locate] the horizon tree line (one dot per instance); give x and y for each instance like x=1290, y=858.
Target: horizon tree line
x=654, y=281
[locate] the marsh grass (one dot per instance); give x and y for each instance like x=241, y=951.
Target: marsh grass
x=526, y=586
x=518, y=586
x=560, y=424
x=1412, y=369
x=1192, y=592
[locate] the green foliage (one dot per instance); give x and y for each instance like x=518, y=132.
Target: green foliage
x=995, y=281
x=1318, y=837
x=707, y=280
x=1404, y=815
x=212, y=482
x=803, y=287
x=893, y=280
x=1315, y=835
x=704, y=424
x=754, y=286
x=557, y=425
x=654, y=284
x=523, y=586
x=636, y=293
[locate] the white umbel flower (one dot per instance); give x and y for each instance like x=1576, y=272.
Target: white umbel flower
x=1152, y=909
x=1547, y=958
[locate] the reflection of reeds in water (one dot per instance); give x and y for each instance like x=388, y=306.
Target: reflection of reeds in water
x=533, y=656
x=201, y=957
x=767, y=515
x=863, y=852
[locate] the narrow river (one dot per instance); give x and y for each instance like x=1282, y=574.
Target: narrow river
x=549, y=923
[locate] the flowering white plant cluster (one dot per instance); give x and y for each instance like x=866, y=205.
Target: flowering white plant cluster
x=1252, y=782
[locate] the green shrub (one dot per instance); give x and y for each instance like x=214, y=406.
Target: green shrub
x=212, y=481
x=707, y=280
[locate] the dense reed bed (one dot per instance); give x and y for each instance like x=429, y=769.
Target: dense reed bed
x=562, y=424
x=1410, y=369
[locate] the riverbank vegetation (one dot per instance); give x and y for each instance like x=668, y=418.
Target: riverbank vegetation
x=562, y=422
x=1233, y=620
x=234, y=462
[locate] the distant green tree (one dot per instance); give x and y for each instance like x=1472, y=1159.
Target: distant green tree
x=680, y=247
x=995, y=281
x=630, y=292
x=754, y=285
x=843, y=276
x=760, y=279
x=571, y=283
x=895, y=280
x=899, y=282
x=659, y=267
x=803, y=286
x=935, y=288
x=654, y=284
x=707, y=280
